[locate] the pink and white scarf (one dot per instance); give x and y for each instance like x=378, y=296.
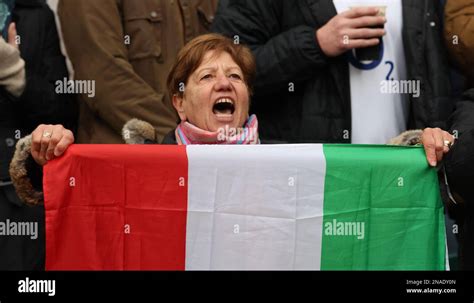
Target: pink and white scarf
x=186, y=133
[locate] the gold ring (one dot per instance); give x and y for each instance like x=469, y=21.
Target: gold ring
x=448, y=143
x=47, y=134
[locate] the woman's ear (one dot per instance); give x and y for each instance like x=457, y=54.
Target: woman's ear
x=178, y=103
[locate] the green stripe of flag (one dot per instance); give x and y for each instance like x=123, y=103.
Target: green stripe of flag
x=375, y=193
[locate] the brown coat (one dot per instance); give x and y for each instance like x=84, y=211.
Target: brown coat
x=128, y=47
x=459, y=25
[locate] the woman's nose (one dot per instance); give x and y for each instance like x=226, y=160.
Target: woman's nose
x=222, y=83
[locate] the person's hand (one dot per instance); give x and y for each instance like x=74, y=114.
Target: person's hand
x=351, y=29
x=49, y=142
x=12, y=35
x=436, y=143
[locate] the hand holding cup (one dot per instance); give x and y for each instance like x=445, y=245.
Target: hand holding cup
x=359, y=27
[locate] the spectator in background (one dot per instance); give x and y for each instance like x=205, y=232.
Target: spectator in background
x=30, y=64
x=459, y=35
x=311, y=88
x=459, y=161
x=457, y=177
x=459, y=165
x=127, y=47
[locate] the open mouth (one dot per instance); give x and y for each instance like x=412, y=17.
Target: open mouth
x=223, y=107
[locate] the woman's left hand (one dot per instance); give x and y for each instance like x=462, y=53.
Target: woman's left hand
x=436, y=142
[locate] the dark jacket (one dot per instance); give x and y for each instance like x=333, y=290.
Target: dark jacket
x=459, y=165
x=45, y=65
x=39, y=103
x=170, y=139
x=282, y=36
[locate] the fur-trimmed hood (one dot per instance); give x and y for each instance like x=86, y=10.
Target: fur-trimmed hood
x=134, y=132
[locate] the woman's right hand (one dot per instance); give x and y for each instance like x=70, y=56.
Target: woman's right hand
x=49, y=142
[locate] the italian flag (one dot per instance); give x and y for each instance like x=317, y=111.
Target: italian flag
x=282, y=207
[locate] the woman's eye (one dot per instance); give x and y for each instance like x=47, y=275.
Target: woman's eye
x=236, y=76
x=207, y=76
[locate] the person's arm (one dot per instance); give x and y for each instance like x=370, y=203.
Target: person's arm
x=32, y=152
x=39, y=102
x=94, y=38
x=460, y=160
x=281, y=57
x=12, y=66
x=295, y=54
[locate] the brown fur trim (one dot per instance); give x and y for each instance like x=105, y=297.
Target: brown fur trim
x=410, y=137
x=137, y=132
x=19, y=175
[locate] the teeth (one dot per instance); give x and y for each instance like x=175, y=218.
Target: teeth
x=225, y=100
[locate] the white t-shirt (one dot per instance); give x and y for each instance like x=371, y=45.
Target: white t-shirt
x=378, y=116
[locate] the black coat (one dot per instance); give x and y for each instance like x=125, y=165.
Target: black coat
x=45, y=65
x=39, y=103
x=281, y=34
x=170, y=139
x=459, y=165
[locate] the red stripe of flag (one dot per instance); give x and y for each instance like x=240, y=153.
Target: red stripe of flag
x=114, y=207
